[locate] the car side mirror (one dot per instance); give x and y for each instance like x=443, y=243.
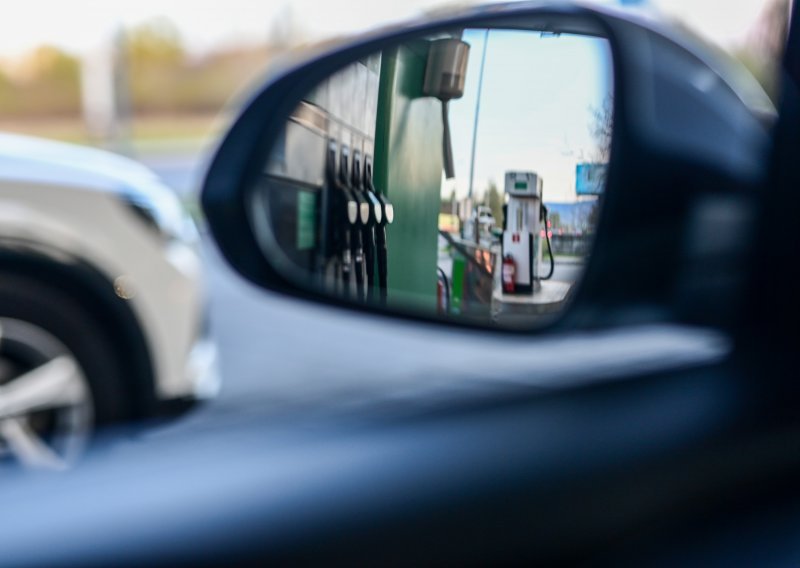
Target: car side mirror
x=509, y=167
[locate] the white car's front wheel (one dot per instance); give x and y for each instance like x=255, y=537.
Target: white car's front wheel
x=56, y=369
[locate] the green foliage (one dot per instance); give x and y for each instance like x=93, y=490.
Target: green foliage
x=193, y=87
x=155, y=43
x=594, y=217
x=602, y=129
x=47, y=80
x=161, y=77
x=51, y=64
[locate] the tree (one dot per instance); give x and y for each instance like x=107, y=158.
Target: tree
x=47, y=83
x=594, y=216
x=154, y=64
x=602, y=129
x=156, y=42
x=52, y=65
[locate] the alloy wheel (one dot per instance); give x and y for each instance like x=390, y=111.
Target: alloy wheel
x=45, y=401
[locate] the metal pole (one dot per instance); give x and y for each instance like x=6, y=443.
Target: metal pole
x=476, y=228
x=477, y=112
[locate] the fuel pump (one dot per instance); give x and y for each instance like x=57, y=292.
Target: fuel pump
x=370, y=216
x=385, y=218
x=314, y=189
x=521, y=247
x=344, y=215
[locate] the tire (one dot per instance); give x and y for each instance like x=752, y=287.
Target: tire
x=53, y=324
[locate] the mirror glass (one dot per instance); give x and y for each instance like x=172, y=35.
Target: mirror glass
x=459, y=174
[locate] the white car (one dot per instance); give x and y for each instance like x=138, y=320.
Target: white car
x=485, y=223
x=102, y=309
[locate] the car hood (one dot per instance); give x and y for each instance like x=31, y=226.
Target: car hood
x=40, y=161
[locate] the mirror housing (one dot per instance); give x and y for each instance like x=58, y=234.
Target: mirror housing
x=687, y=131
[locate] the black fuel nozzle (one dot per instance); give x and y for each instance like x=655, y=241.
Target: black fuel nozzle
x=383, y=208
x=376, y=206
x=356, y=183
x=384, y=215
x=373, y=219
x=345, y=204
x=343, y=213
x=357, y=174
x=367, y=219
x=343, y=183
x=357, y=216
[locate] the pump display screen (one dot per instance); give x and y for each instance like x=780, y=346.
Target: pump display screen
x=523, y=184
x=306, y=220
x=294, y=215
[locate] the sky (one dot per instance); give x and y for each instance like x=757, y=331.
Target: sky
x=78, y=25
x=536, y=111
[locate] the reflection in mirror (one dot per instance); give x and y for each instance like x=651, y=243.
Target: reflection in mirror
x=458, y=175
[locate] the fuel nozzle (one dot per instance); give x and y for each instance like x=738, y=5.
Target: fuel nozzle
x=363, y=179
x=351, y=183
x=344, y=214
x=384, y=215
x=357, y=202
x=369, y=213
x=346, y=206
x=384, y=210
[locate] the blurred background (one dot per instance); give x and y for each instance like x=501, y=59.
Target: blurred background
x=150, y=78
x=160, y=80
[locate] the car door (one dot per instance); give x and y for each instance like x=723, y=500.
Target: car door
x=625, y=418
x=773, y=307
x=613, y=450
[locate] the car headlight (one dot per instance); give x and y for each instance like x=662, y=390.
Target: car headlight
x=161, y=210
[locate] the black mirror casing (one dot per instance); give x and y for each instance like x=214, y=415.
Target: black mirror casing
x=687, y=150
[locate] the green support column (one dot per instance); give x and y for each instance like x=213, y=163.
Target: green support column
x=408, y=169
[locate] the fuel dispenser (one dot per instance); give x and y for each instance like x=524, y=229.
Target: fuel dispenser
x=357, y=216
x=318, y=191
x=521, y=247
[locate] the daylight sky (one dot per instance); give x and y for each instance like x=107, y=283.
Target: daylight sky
x=78, y=25
x=537, y=109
